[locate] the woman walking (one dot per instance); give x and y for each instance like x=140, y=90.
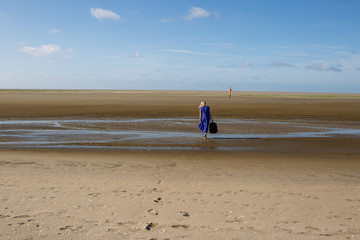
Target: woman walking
x=204, y=118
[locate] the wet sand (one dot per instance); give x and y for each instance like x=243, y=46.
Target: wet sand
x=224, y=188
x=169, y=104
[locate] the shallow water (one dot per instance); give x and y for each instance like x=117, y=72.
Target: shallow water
x=110, y=134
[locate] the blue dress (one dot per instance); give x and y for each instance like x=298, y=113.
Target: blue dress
x=205, y=119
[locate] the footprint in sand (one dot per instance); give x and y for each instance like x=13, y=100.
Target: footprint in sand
x=150, y=226
x=153, y=212
x=181, y=226
x=72, y=228
x=94, y=194
x=22, y=216
x=352, y=200
x=157, y=200
x=235, y=220
x=185, y=214
x=311, y=228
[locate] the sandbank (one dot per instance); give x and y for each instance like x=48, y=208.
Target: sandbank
x=277, y=187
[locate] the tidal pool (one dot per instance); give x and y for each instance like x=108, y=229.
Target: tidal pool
x=153, y=134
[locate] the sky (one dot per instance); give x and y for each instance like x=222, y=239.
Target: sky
x=258, y=45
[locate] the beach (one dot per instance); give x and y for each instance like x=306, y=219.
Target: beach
x=133, y=165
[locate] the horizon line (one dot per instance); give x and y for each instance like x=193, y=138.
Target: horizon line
x=172, y=90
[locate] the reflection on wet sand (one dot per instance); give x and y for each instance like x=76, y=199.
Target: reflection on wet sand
x=153, y=134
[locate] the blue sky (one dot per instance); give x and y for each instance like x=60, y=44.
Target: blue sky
x=260, y=45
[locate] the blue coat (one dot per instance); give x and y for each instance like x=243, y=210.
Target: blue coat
x=205, y=119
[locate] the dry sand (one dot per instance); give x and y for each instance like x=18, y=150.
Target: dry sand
x=297, y=188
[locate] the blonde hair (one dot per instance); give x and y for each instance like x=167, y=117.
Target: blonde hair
x=203, y=103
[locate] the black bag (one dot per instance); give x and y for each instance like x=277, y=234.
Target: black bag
x=213, y=127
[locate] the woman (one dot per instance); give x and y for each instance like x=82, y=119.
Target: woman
x=204, y=118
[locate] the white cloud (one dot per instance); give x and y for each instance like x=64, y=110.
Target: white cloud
x=103, y=14
x=137, y=55
x=42, y=50
x=196, y=12
x=324, y=67
x=53, y=31
x=246, y=64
